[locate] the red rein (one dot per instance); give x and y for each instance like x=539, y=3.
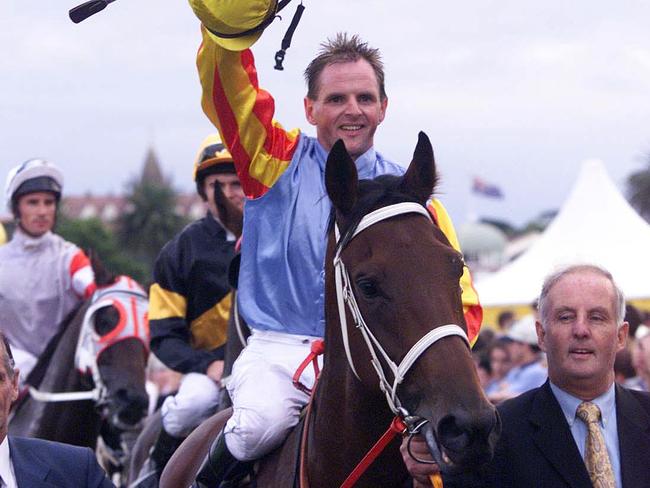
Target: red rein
x=397, y=426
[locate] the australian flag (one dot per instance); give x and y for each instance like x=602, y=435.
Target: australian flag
x=483, y=188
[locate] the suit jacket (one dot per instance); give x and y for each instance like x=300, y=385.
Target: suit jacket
x=536, y=448
x=44, y=464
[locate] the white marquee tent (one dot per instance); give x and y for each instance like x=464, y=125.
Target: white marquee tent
x=595, y=225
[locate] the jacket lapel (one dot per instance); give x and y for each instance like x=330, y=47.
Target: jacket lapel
x=30, y=470
x=633, y=424
x=553, y=438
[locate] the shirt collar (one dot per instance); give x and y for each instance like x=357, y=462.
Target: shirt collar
x=6, y=468
x=31, y=243
x=365, y=163
x=569, y=404
x=230, y=237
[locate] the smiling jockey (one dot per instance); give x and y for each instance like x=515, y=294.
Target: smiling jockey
x=42, y=276
x=281, y=281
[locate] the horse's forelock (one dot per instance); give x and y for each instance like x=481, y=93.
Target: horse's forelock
x=382, y=191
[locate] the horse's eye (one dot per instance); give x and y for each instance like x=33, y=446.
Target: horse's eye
x=368, y=287
x=106, y=319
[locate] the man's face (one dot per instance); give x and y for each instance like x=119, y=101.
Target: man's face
x=230, y=186
x=37, y=212
x=582, y=338
x=8, y=394
x=348, y=106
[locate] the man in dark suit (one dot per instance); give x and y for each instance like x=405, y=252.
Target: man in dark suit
x=544, y=442
x=36, y=463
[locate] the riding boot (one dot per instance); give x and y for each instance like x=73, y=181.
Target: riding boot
x=160, y=453
x=220, y=468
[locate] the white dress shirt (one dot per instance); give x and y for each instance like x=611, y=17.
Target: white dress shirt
x=6, y=467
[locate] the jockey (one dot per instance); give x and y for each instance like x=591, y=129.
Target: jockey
x=190, y=303
x=42, y=276
x=281, y=280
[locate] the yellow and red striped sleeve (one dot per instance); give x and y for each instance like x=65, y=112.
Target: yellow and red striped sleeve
x=243, y=114
x=471, y=305
x=81, y=275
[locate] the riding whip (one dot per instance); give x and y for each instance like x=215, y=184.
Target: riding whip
x=86, y=9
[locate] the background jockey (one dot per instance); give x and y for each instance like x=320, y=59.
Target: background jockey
x=42, y=276
x=190, y=303
x=281, y=280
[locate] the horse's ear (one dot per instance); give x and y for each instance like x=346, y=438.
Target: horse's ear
x=341, y=178
x=421, y=177
x=103, y=277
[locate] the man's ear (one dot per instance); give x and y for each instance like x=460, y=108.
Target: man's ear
x=384, y=106
x=541, y=335
x=309, y=110
x=14, y=385
x=621, y=335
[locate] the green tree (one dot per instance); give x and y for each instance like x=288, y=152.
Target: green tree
x=150, y=222
x=93, y=234
x=638, y=190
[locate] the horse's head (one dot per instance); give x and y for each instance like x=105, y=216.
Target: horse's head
x=399, y=276
x=113, y=347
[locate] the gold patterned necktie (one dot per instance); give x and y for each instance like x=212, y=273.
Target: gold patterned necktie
x=596, y=457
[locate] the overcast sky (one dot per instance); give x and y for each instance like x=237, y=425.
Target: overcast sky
x=515, y=92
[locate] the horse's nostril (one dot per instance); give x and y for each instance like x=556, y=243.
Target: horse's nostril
x=452, y=435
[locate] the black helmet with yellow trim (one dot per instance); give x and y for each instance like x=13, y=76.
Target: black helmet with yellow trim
x=212, y=158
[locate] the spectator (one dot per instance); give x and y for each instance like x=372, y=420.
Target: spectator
x=623, y=367
x=500, y=365
x=641, y=360
x=505, y=320
x=527, y=369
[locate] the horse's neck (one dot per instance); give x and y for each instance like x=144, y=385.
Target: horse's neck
x=61, y=371
x=43, y=419
x=346, y=422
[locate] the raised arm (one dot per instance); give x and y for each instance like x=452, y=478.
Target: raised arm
x=243, y=114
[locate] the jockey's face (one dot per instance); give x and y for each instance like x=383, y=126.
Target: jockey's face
x=348, y=106
x=37, y=212
x=230, y=187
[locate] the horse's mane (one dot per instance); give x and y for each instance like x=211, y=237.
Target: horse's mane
x=40, y=369
x=381, y=191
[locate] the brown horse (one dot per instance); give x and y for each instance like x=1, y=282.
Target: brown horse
x=393, y=310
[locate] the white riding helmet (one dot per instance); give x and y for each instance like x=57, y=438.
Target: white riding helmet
x=31, y=176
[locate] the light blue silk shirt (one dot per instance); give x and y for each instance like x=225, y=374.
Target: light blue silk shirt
x=282, y=277
x=608, y=426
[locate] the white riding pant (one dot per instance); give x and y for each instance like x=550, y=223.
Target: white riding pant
x=25, y=362
x=266, y=405
x=197, y=399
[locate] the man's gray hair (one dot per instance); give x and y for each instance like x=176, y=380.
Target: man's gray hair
x=7, y=357
x=552, y=279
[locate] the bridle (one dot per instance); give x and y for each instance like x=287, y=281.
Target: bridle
x=345, y=296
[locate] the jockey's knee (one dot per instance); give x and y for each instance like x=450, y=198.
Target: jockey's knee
x=196, y=400
x=251, y=434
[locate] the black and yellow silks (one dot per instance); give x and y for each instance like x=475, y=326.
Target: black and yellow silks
x=190, y=299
